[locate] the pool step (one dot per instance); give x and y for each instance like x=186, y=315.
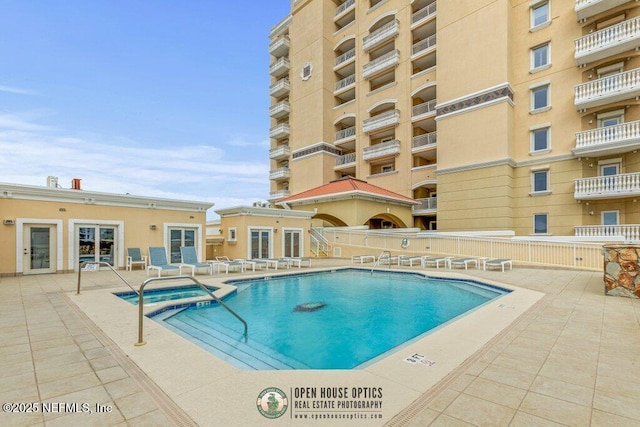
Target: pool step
x=229, y=344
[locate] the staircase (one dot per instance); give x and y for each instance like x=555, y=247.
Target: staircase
x=320, y=246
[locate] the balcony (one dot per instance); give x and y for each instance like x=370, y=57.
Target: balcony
x=279, y=194
x=608, y=140
x=588, y=8
x=279, y=110
x=630, y=232
x=279, y=174
x=425, y=108
x=424, y=142
x=383, y=63
x=608, y=42
x=342, y=59
x=280, y=152
x=608, y=187
x=426, y=206
x=279, y=88
x=279, y=131
x=280, y=46
x=423, y=14
x=344, y=8
x=383, y=149
x=346, y=161
x=617, y=87
x=280, y=67
x=345, y=135
x=423, y=45
x=381, y=35
x=345, y=83
x=381, y=121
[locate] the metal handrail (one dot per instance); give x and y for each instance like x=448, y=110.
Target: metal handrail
x=194, y=280
x=379, y=258
x=102, y=264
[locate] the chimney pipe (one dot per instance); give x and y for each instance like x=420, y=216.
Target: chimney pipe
x=75, y=184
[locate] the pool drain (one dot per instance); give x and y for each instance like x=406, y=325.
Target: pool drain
x=309, y=306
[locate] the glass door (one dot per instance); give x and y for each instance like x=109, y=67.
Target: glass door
x=96, y=243
x=260, y=244
x=180, y=237
x=39, y=249
x=292, y=240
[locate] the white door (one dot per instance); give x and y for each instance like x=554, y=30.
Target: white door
x=292, y=243
x=39, y=249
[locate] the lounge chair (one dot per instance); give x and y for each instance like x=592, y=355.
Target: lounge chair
x=463, y=262
x=500, y=262
x=428, y=261
x=260, y=263
x=227, y=263
x=158, y=261
x=409, y=259
x=135, y=257
x=363, y=258
x=299, y=261
x=190, y=260
x=389, y=260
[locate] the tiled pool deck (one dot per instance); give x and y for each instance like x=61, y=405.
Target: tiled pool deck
x=572, y=359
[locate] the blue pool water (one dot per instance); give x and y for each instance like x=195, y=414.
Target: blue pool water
x=153, y=296
x=326, y=320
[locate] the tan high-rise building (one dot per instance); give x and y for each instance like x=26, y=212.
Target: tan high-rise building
x=493, y=114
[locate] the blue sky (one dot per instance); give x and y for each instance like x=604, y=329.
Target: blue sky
x=161, y=98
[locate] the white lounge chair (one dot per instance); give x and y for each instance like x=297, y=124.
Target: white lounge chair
x=224, y=260
x=158, y=261
x=190, y=260
x=463, y=262
x=409, y=259
x=428, y=261
x=299, y=261
x=362, y=258
x=135, y=257
x=500, y=262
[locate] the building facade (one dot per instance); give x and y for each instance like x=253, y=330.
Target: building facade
x=492, y=114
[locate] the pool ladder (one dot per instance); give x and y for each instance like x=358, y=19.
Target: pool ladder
x=100, y=264
x=379, y=258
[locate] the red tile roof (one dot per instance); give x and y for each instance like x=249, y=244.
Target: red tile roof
x=347, y=187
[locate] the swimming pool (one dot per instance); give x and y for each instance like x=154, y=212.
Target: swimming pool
x=341, y=319
x=153, y=296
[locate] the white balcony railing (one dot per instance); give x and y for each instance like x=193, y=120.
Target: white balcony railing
x=279, y=46
x=628, y=231
x=427, y=205
x=588, y=8
x=386, y=119
x=345, y=133
x=279, y=88
x=280, y=109
x=423, y=13
x=609, y=89
x=280, y=173
x=279, y=194
x=344, y=6
x=383, y=149
x=346, y=159
x=345, y=57
x=386, y=61
x=346, y=82
x=279, y=131
x=424, y=108
x=279, y=152
x=382, y=34
x=280, y=67
x=425, y=141
x=423, y=45
x=608, y=187
x=608, y=41
x=608, y=140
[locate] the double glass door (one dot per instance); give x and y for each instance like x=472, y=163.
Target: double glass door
x=96, y=243
x=260, y=244
x=292, y=239
x=180, y=237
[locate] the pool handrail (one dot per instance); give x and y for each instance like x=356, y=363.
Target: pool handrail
x=192, y=279
x=101, y=264
x=379, y=258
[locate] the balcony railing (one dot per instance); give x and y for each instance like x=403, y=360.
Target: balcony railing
x=628, y=231
x=386, y=119
x=425, y=141
x=345, y=57
x=588, y=8
x=382, y=34
x=345, y=133
x=279, y=131
x=617, y=87
x=608, y=140
x=423, y=13
x=279, y=88
x=280, y=173
x=608, y=41
x=280, y=109
x=347, y=81
x=344, y=6
x=383, y=149
x=388, y=60
x=608, y=187
x=423, y=45
x=428, y=205
x=346, y=159
x=280, y=152
x=424, y=108
x=280, y=46
x=279, y=194
x=280, y=67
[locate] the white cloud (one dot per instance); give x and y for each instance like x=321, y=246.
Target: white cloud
x=17, y=90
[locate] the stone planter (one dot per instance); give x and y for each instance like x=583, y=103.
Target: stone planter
x=622, y=270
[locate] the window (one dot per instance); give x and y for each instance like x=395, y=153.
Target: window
x=306, y=71
x=612, y=118
x=540, y=223
x=540, y=140
x=610, y=168
x=539, y=14
x=540, y=56
x=540, y=98
x=232, y=235
x=387, y=168
x=540, y=181
x=610, y=217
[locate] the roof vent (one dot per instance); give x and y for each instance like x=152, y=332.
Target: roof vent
x=75, y=184
x=52, y=181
